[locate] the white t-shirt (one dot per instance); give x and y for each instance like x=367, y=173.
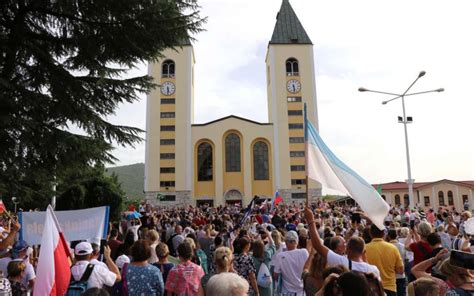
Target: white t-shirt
x=100, y=276
x=134, y=229
x=334, y=259
x=290, y=265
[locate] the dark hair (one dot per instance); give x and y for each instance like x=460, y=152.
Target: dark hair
x=258, y=249
x=114, y=232
x=375, y=232
x=95, y=248
x=185, y=251
x=392, y=234
x=433, y=239
x=327, y=242
x=334, y=243
x=218, y=241
x=82, y=257
x=302, y=241
x=15, y=268
x=241, y=244
x=354, y=283
x=140, y=251
x=96, y=292
x=356, y=245
x=366, y=235
x=129, y=238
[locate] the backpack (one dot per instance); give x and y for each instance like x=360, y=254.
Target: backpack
x=169, y=243
x=264, y=279
x=77, y=288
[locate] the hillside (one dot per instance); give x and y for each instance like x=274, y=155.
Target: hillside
x=131, y=177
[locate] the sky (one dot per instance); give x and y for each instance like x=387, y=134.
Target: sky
x=379, y=45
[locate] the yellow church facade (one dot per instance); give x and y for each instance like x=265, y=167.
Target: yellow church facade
x=232, y=159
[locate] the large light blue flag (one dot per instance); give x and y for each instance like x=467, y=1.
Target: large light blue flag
x=326, y=168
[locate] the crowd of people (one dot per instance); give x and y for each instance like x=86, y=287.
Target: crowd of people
x=290, y=250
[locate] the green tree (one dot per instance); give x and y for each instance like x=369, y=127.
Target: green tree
x=91, y=188
x=62, y=66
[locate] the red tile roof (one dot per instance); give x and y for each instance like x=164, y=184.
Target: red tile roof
x=404, y=186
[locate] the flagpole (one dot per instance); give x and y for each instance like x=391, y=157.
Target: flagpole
x=306, y=154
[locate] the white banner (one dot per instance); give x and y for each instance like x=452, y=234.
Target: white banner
x=87, y=224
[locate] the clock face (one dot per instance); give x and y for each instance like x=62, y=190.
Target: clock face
x=167, y=88
x=293, y=86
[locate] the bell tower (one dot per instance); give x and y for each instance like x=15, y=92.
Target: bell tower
x=170, y=112
x=290, y=84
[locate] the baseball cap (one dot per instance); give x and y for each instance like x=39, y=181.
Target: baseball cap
x=83, y=248
x=19, y=246
x=291, y=236
x=300, y=226
x=121, y=260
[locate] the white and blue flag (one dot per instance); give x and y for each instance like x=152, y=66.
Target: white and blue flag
x=324, y=167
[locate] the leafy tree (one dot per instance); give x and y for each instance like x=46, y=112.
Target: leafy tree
x=92, y=188
x=61, y=70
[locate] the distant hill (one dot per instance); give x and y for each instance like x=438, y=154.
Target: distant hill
x=131, y=177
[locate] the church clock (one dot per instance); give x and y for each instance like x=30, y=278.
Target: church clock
x=293, y=86
x=168, y=88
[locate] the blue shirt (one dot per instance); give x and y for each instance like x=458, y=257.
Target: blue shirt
x=144, y=280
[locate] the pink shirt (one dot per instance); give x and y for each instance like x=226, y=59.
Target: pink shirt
x=184, y=279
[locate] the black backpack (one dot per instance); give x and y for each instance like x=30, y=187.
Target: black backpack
x=169, y=243
x=77, y=288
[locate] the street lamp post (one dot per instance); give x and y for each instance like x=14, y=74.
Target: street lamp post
x=405, y=121
x=15, y=201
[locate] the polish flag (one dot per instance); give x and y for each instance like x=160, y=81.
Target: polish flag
x=53, y=272
x=2, y=207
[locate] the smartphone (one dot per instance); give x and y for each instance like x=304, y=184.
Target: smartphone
x=462, y=259
x=103, y=243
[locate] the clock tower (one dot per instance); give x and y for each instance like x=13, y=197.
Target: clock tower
x=168, y=160
x=290, y=84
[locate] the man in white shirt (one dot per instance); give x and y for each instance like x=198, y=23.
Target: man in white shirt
x=100, y=275
x=289, y=265
x=355, y=250
x=95, y=255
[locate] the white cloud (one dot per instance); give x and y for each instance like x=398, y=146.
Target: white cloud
x=375, y=44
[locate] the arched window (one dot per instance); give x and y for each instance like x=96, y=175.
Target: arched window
x=397, y=200
x=406, y=200
x=450, y=198
x=232, y=153
x=292, y=68
x=441, y=198
x=260, y=161
x=204, y=162
x=167, y=68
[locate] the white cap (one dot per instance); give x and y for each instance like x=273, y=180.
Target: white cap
x=83, y=248
x=121, y=260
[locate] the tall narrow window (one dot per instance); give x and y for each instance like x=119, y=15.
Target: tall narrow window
x=204, y=162
x=260, y=161
x=441, y=198
x=450, y=198
x=167, y=69
x=232, y=153
x=406, y=200
x=397, y=200
x=292, y=68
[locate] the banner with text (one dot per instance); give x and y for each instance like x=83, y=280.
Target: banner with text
x=87, y=224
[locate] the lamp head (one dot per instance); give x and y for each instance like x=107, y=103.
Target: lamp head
x=14, y=199
x=440, y=90
x=384, y=103
x=362, y=89
x=422, y=73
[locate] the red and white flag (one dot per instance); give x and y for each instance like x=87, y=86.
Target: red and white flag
x=53, y=272
x=2, y=207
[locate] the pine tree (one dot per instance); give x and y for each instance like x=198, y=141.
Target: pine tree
x=62, y=64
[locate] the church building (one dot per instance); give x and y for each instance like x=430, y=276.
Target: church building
x=232, y=159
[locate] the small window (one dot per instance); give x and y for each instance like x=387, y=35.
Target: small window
x=292, y=68
x=167, y=101
x=295, y=126
x=167, y=142
x=167, y=114
x=296, y=153
x=465, y=199
x=167, y=170
x=297, y=168
x=441, y=198
x=167, y=70
x=295, y=112
x=298, y=181
x=166, y=155
x=301, y=195
x=450, y=198
x=427, y=201
x=296, y=139
x=167, y=128
x=294, y=99
x=397, y=200
x=167, y=183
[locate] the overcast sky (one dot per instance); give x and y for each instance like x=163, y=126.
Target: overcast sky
x=380, y=45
